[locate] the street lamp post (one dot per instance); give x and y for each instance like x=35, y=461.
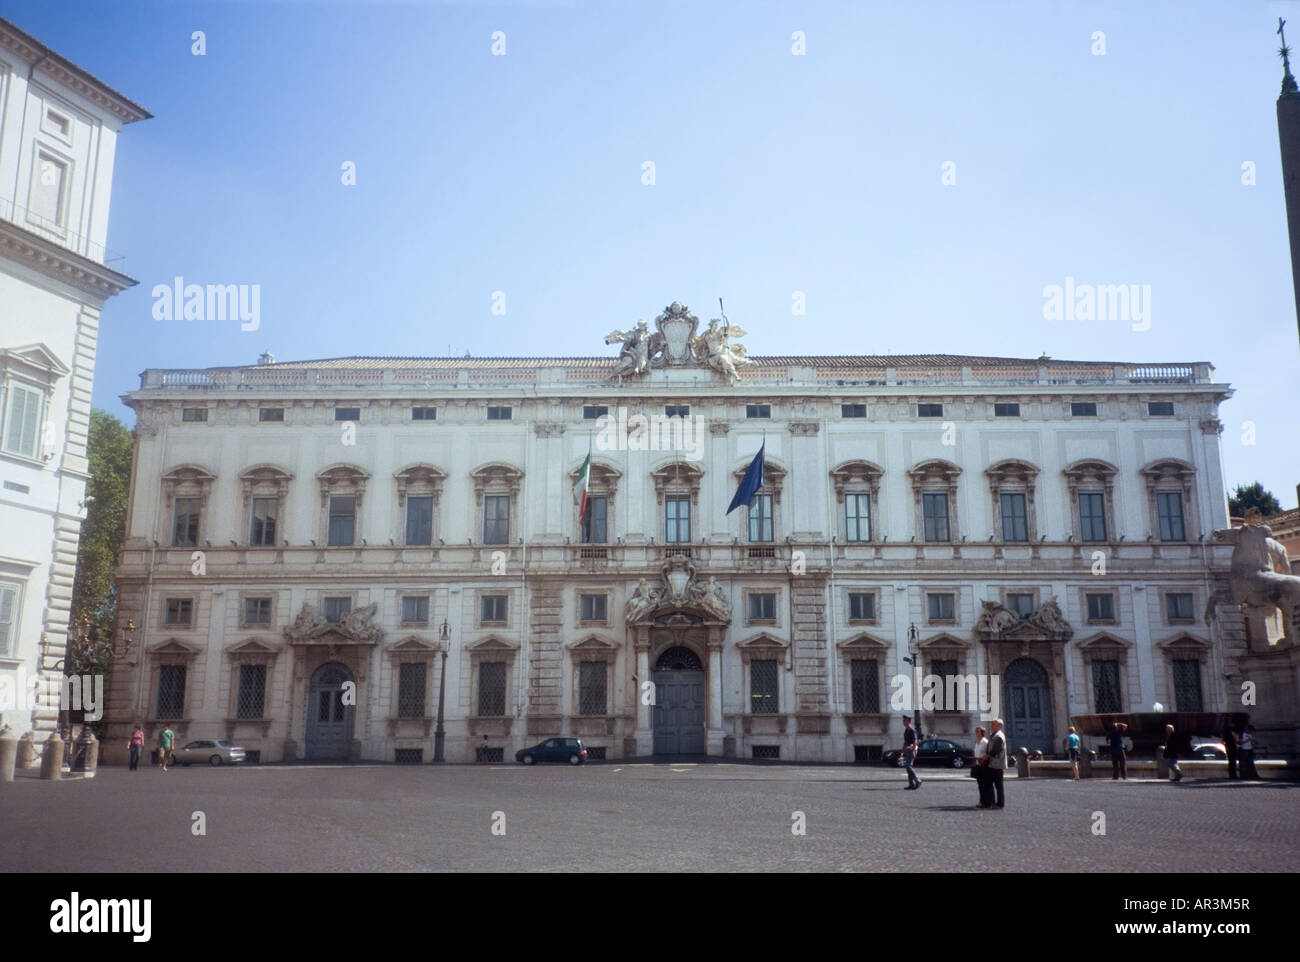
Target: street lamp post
x=914, y=659
x=444, y=636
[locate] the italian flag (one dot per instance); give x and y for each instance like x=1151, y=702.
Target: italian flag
x=580, y=489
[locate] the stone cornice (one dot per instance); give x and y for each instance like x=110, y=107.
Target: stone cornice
x=30, y=250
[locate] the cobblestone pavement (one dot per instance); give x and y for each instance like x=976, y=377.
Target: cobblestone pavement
x=635, y=817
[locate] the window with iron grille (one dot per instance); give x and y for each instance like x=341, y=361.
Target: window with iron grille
x=1169, y=505
x=408, y=756
x=1083, y=409
x=194, y=414
x=343, y=519
x=257, y=611
x=496, y=519
x=252, y=691
x=762, y=607
x=347, y=414
x=171, y=691
x=1092, y=516
x=758, y=410
x=1105, y=684
x=1006, y=409
x=262, y=530
x=763, y=687
x=590, y=412
x=424, y=414
x=1015, y=523
x=853, y=410
x=1101, y=608
x=857, y=517
x=1021, y=603
x=180, y=611
x=1187, y=685
x=1178, y=606
x=592, y=607
x=677, y=520
x=765, y=751
x=492, y=609
x=591, y=688
x=185, y=531
x=1160, y=409
x=677, y=410
x=929, y=410
x=868, y=753
x=410, y=689
x=593, y=521
x=942, y=607
x=489, y=755
x=270, y=414
x=934, y=508
x=419, y=520
x=760, y=518
x=492, y=688
x=862, y=606
x=596, y=754
x=865, y=679
x=944, y=668
x=499, y=412
x=415, y=610
x=335, y=608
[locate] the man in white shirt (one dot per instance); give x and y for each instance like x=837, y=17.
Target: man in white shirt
x=980, y=768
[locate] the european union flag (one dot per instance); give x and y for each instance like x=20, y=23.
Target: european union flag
x=750, y=483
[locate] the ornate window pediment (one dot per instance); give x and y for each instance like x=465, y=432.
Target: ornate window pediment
x=1090, y=471
x=420, y=480
x=592, y=645
x=412, y=645
x=175, y=650
x=936, y=473
x=677, y=477
x=860, y=475
x=342, y=479
x=773, y=477
x=763, y=645
x=496, y=478
x=864, y=643
x=1103, y=642
x=943, y=641
x=1185, y=646
x=265, y=481
x=187, y=481
x=33, y=362
x=254, y=651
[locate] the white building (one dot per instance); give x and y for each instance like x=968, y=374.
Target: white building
x=299, y=531
x=58, y=135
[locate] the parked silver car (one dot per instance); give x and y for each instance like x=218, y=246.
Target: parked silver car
x=212, y=751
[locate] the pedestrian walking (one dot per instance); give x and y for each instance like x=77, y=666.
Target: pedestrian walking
x=980, y=767
x=997, y=762
x=1118, y=763
x=1230, y=747
x=136, y=746
x=165, y=738
x=909, y=753
x=1248, y=754
x=1072, y=747
x=1171, y=754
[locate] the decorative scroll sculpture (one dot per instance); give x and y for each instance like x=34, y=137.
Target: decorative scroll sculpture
x=996, y=618
x=675, y=344
x=680, y=591
x=356, y=625
x=1050, y=619
x=1259, y=574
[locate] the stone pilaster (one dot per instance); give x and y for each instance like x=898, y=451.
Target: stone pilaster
x=545, y=654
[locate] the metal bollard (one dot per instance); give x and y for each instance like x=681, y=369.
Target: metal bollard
x=1022, y=762
x=1086, y=758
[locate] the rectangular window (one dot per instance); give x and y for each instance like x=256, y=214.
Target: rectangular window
x=929, y=410
x=23, y=421
x=419, y=520
x=1187, y=685
x=853, y=410
x=1101, y=607
x=1178, y=606
x=179, y=611
x=257, y=611
x=46, y=199
x=592, y=608
x=1160, y=409
x=496, y=519
x=55, y=123
x=591, y=688
x=760, y=518
x=1083, y=409
x=424, y=414
x=934, y=508
x=1015, y=520
x=677, y=410
x=865, y=679
x=677, y=520
x=1169, y=505
x=758, y=410
x=857, y=517
x=347, y=414
x=492, y=609
x=590, y=412
x=1022, y=603
x=8, y=616
x=763, y=687
x=945, y=668
x=171, y=691
x=1006, y=409
x=185, y=530
x=194, y=414
x=335, y=608
x=1092, y=516
x=862, y=606
x=252, y=691
x=499, y=412
x=262, y=531
x=415, y=610
x=410, y=689
x=270, y=414
x=1105, y=685
x=593, y=522
x=343, y=519
x=941, y=607
x=492, y=688
x=762, y=607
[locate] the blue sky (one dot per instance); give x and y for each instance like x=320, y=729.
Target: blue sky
x=774, y=173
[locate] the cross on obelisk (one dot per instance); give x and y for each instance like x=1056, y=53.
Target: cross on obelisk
x=1288, y=81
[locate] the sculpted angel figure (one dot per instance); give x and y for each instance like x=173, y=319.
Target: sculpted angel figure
x=359, y=624
x=710, y=597
x=714, y=351
x=642, y=600
x=639, y=346
x=996, y=618
x=1049, y=616
x=308, y=624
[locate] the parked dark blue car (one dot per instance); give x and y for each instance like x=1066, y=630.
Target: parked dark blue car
x=554, y=750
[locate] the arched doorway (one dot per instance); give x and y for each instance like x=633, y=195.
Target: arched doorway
x=329, y=720
x=679, y=703
x=1028, y=706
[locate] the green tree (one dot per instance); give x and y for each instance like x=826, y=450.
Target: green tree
x=94, y=597
x=1252, y=495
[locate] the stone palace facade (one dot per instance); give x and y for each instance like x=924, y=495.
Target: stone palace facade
x=310, y=543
